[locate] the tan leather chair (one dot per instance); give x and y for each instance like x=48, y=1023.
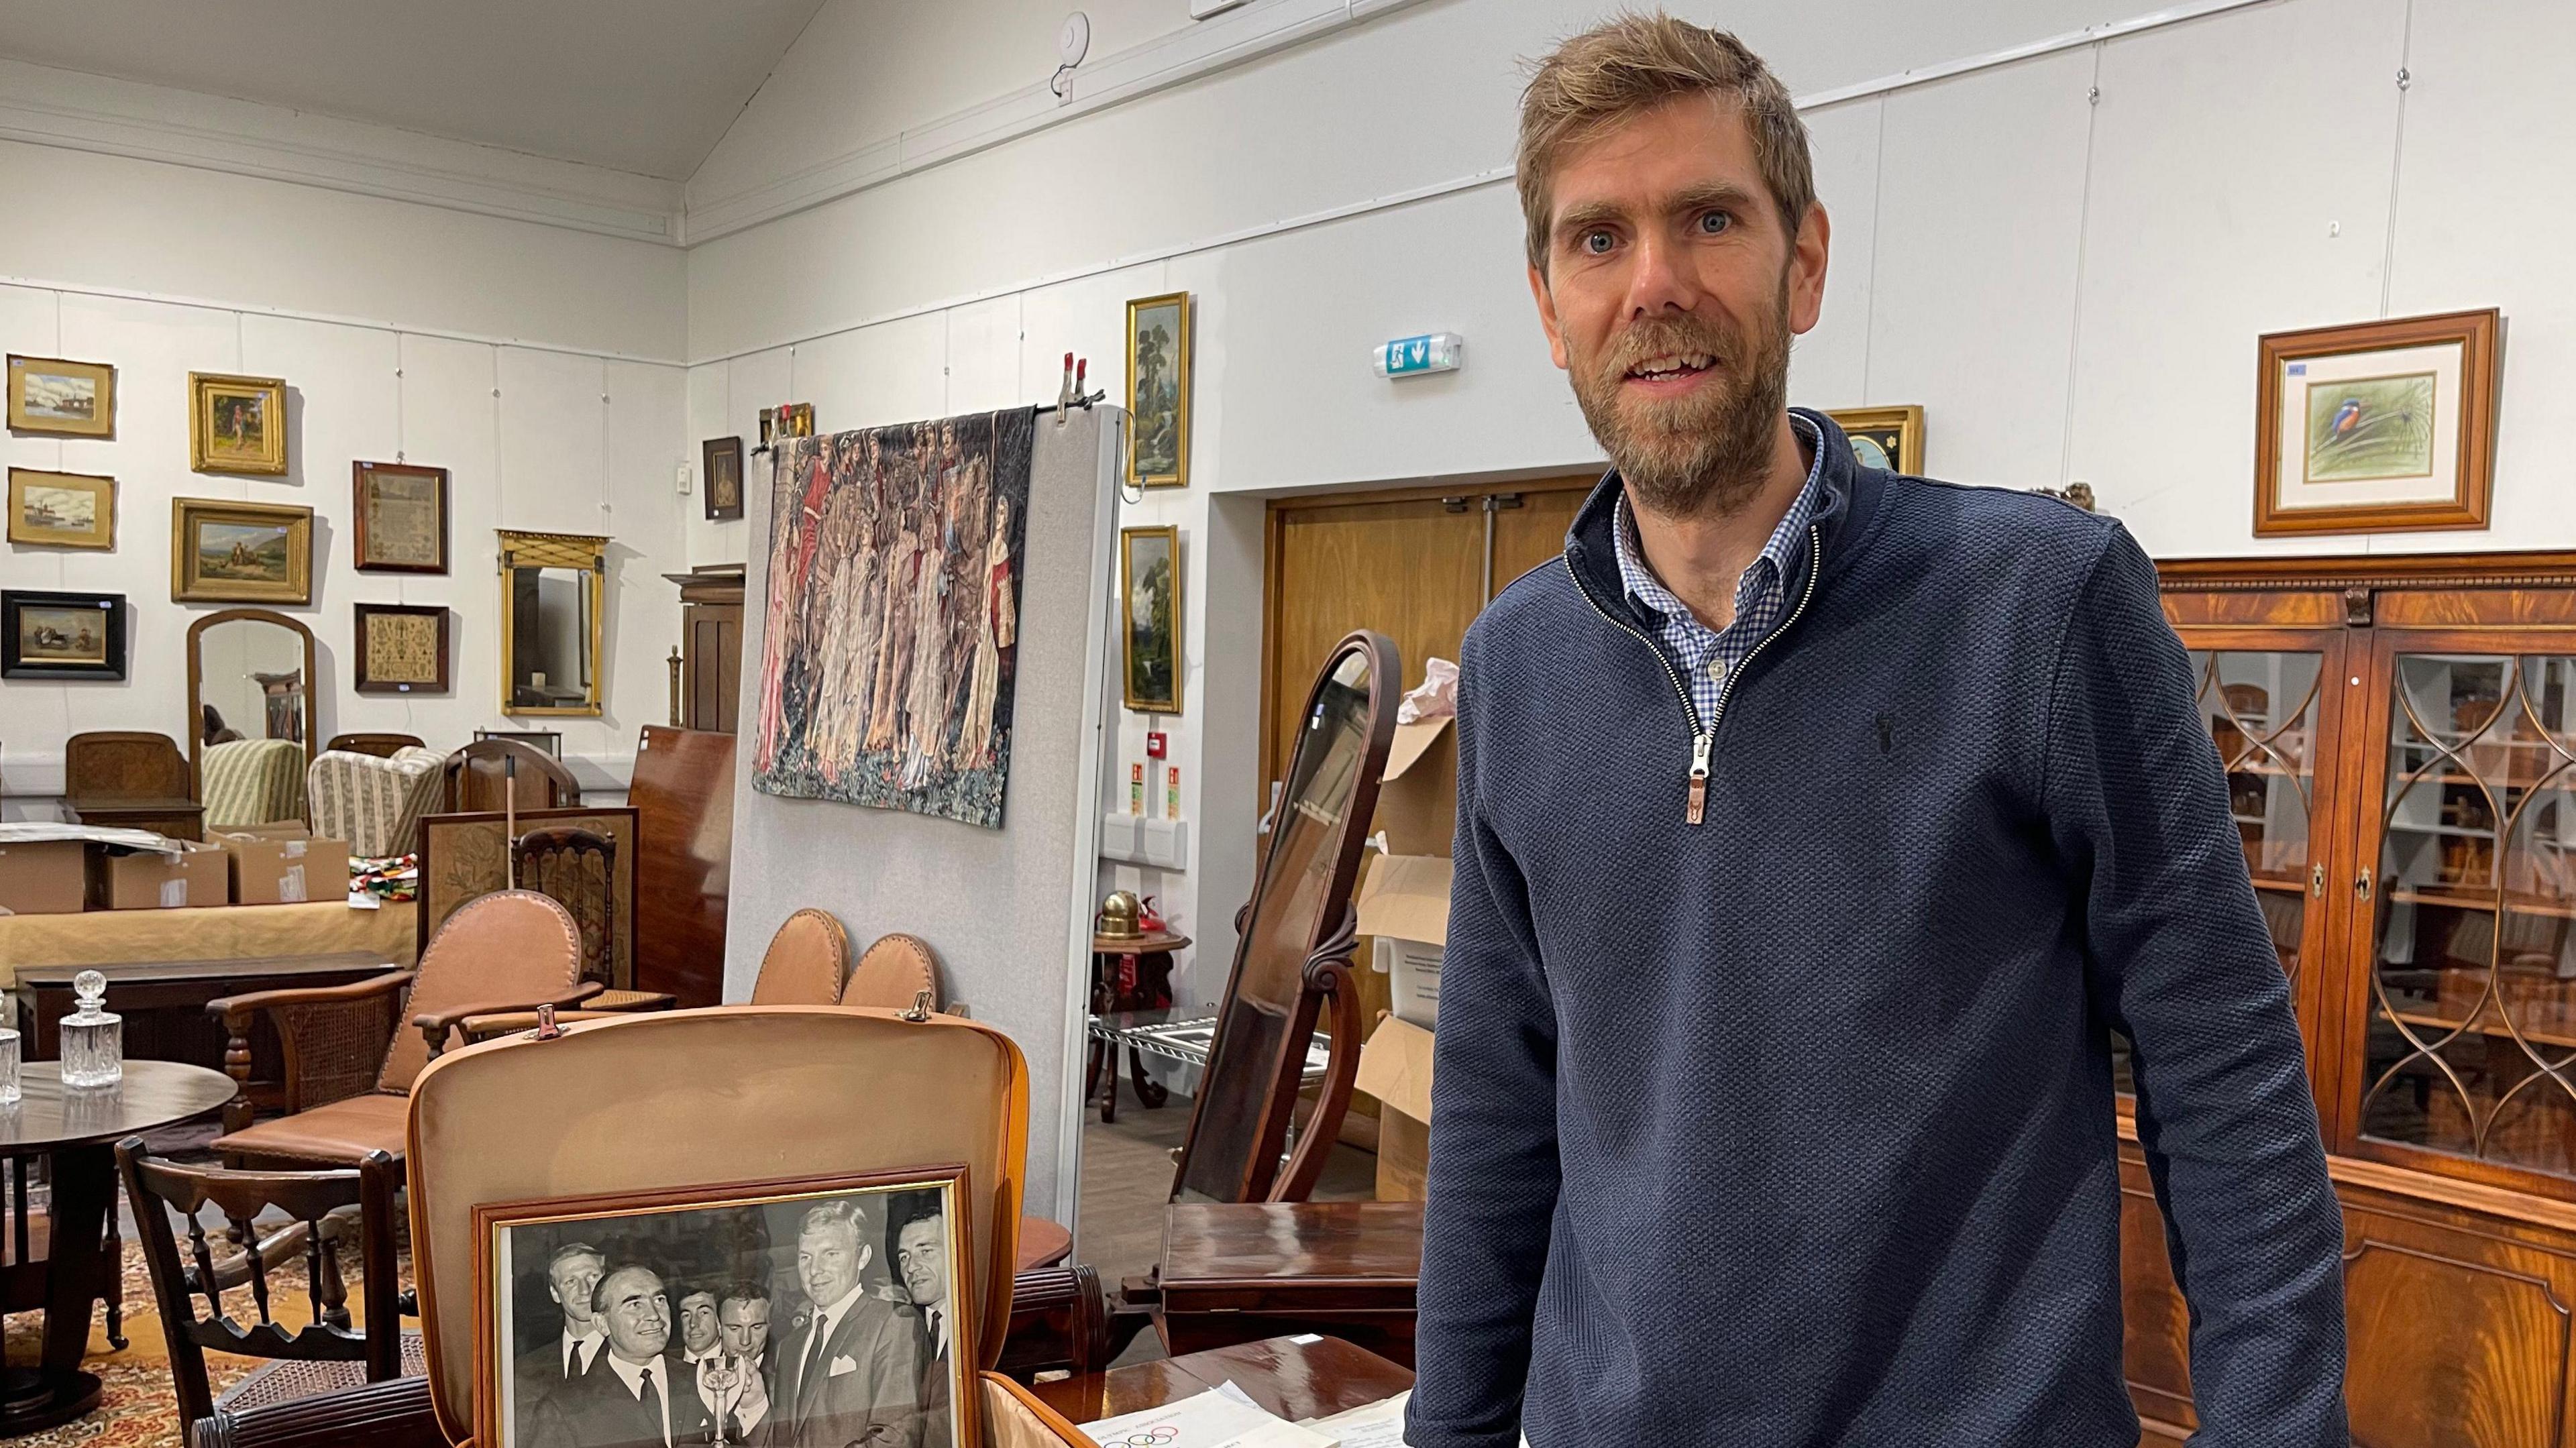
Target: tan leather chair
x=349, y=1063
x=806, y=963
x=893, y=973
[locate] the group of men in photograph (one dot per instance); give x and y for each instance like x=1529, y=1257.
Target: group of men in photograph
x=646, y=1359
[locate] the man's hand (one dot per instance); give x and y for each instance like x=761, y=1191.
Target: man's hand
x=753, y=1405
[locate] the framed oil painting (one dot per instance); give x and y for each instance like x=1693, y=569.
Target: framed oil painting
x=402, y=649
x=819, y=1310
x=1158, y=391
x=1887, y=438
x=401, y=513
x=61, y=398
x=723, y=456
x=222, y=551
x=2378, y=427
x=1149, y=587
x=236, y=424
x=62, y=635
x=62, y=510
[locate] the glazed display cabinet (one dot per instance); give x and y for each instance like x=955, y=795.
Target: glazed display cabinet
x=2399, y=736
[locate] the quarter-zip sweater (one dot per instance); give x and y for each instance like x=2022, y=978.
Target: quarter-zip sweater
x=1794, y=1126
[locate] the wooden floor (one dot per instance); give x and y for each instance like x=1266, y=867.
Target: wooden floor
x=1127, y=1177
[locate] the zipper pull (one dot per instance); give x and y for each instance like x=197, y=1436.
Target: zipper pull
x=1698, y=779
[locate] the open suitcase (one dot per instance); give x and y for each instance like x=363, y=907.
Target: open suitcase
x=771, y=1093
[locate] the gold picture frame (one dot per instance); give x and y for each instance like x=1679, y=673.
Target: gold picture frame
x=236, y=424
x=525, y=557
x=1158, y=391
x=1149, y=608
x=223, y=551
x=62, y=510
x=1888, y=438
x=58, y=397
x=2377, y=427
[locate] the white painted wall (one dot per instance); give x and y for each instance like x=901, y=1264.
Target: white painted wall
x=95, y=250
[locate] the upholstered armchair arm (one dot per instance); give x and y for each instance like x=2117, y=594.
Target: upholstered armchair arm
x=333, y=1038
x=484, y=1028
x=437, y=1026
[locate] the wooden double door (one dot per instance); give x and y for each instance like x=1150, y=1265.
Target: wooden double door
x=2399, y=737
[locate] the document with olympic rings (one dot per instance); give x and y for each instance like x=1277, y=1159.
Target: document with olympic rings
x=1224, y=1418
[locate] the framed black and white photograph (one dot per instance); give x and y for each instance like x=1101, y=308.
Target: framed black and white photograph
x=814, y=1311
x=62, y=635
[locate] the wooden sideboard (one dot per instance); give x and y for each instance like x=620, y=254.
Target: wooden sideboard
x=710, y=647
x=2399, y=735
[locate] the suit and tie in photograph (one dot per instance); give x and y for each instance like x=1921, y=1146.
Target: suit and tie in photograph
x=849, y=1373
x=639, y=1395
x=571, y=1273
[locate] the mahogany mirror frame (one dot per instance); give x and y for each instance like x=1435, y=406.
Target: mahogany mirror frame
x=1324, y=972
x=197, y=680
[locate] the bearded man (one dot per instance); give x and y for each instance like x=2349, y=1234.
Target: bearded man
x=1817, y=827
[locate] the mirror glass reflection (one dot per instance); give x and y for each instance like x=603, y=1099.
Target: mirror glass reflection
x=251, y=718
x=552, y=629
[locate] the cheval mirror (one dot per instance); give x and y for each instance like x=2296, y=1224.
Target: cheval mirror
x=251, y=695
x=1293, y=950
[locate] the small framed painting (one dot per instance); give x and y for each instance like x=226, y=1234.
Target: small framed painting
x=1887, y=438
x=61, y=398
x=62, y=635
x=401, y=517
x=402, y=649
x=1158, y=391
x=815, y=1310
x=236, y=424
x=2380, y=427
x=1149, y=577
x=62, y=510
x=723, y=457
x=223, y=551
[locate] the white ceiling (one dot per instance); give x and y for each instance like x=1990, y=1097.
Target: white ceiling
x=646, y=86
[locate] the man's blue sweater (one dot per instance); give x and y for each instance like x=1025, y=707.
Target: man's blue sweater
x=1795, y=1127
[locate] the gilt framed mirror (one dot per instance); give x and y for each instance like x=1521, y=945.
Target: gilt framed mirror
x=1292, y=954
x=251, y=694
x=554, y=607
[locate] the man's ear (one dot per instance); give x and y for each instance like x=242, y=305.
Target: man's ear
x=1807, y=258
x=1547, y=316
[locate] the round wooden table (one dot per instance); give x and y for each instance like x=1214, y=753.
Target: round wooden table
x=77, y=1128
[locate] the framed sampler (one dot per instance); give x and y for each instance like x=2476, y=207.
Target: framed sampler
x=401, y=513
x=402, y=648
x=2379, y=427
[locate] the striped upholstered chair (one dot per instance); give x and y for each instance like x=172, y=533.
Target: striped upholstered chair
x=375, y=804
x=252, y=782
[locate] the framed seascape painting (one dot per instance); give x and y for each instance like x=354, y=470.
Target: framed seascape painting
x=227, y=552
x=61, y=398
x=2378, y=427
x=402, y=649
x=62, y=510
x=1887, y=438
x=819, y=1311
x=236, y=424
x=401, y=513
x=1158, y=391
x=1149, y=585
x=62, y=635
x=723, y=457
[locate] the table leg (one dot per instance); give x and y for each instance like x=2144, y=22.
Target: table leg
x=1150, y=1093
x=84, y=1182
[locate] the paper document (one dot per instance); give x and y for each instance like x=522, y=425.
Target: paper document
x=1378, y=1425
x=1223, y=1418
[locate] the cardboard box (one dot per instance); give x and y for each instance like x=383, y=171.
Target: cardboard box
x=44, y=877
x=128, y=879
x=1417, y=796
x=1395, y=1067
x=268, y=869
x=1404, y=903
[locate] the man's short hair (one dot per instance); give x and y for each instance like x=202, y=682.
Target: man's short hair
x=599, y=1289
x=742, y=1292
x=683, y=1291
x=574, y=1249
x=1638, y=62
x=855, y=1215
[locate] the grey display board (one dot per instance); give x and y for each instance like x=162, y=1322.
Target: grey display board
x=1007, y=911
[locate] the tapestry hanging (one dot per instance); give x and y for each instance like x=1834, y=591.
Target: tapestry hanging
x=891, y=617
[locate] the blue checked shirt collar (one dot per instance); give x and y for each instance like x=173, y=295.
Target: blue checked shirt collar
x=1706, y=655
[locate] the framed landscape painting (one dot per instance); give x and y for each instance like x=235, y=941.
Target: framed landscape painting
x=62, y=510
x=228, y=552
x=61, y=398
x=2378, y=427
x=1158, y=391
x=62, y=635
x=236, y=424
x=1149, y=576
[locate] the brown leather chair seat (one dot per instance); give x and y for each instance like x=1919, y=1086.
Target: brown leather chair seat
x=333, y=1133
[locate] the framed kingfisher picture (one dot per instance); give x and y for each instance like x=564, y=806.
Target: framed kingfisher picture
x=2380, y=427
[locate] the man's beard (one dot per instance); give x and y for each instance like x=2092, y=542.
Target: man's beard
x=1706, y=454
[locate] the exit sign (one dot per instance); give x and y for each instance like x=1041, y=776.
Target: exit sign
x=1412, y=356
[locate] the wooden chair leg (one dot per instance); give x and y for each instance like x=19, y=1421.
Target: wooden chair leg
x=113, y=1249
